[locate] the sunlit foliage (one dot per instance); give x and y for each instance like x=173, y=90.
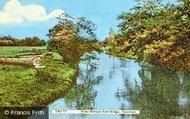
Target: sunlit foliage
x=72, y=38
x=157, y=33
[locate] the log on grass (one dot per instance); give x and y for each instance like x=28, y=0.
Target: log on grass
x=16, y=61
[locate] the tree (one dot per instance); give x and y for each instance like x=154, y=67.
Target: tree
x=86, y=28
x=157, y=33
x=67, y=38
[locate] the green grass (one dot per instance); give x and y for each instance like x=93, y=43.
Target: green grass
x=14, y=51
x=28, y=87
x=22, y=86
x=57, y=56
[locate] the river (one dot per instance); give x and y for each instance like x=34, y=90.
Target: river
x=107, y=82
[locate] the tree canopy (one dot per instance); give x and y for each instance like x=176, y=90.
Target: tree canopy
x=157, y=33
x=72, y=37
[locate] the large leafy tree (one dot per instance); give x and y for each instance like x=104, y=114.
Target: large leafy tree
x=158, y=33
x=69, y=36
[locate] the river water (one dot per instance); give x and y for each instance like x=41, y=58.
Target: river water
x=107, y=82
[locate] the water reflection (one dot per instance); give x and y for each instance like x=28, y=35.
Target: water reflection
x=117, y=83
x=82, y=96
x=160, y=96
x=184, y=99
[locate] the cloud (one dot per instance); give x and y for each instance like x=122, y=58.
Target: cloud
x=16, y=13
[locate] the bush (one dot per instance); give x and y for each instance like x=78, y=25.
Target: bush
x=9, y=41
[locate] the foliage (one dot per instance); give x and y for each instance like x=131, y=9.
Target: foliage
x=86, y=28
x=28, y=41
x=35, y=41
x=67, y=37
x=157, y=33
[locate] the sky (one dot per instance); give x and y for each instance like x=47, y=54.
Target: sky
x=28, y=18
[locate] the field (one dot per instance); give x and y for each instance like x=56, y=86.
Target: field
x=10, y=51
x=27, y=86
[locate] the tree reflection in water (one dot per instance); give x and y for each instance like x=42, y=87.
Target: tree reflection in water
x=185, y=95
x=158, y=97
x=82, y=95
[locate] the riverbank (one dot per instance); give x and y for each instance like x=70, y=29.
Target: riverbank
x=129, y=56
x=26, y=86
x=145, y=62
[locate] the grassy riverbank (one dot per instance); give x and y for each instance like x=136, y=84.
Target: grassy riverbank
x=26, y=86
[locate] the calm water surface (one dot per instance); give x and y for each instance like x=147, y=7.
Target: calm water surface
x=116, y=83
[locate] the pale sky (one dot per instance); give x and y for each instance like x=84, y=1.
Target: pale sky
x=22, y=18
